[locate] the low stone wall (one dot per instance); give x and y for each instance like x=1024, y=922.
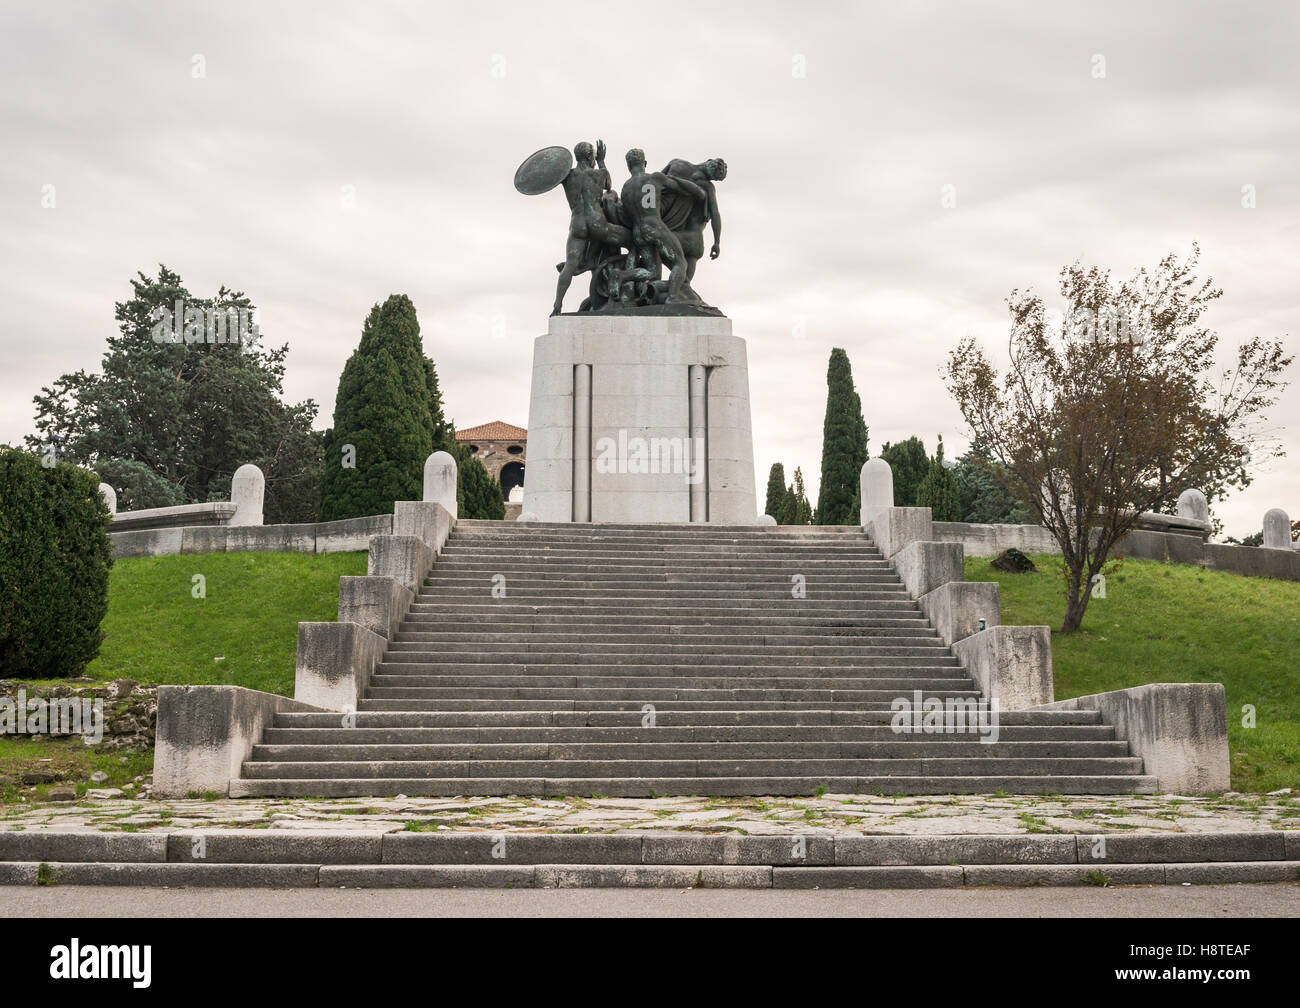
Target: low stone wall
x=348, y=535
x=1141, y=544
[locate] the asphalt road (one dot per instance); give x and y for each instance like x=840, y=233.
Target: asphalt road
x=1229, y=901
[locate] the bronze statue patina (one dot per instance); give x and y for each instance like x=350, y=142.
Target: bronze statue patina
x=626, y=239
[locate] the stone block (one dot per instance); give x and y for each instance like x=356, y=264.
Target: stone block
x=205, y=733
x=1010, y=664
x=956, y=608
x=407, y=559
x=335, y=661
x=247, y=488
x=426, y=520
x=1178, y=730
x=440, y=481
x=377, y=603
x=892, y=528
x=924, y=566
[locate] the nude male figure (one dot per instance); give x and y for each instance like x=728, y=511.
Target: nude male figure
x=690, y=231
x=655, y=242
x=584, y=187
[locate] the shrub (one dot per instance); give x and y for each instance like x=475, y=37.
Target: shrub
x=54, y=562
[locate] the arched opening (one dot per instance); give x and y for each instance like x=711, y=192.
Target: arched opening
x=512, y=475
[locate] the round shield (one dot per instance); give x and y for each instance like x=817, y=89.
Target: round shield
x=543, y=171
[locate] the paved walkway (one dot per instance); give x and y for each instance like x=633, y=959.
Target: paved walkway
x=865, y=814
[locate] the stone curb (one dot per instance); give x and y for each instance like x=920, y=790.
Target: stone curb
x=488, y=848
x=622, y=876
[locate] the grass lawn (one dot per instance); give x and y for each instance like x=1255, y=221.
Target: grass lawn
x=244, y=633
x=156, y=631
x=1173, y=623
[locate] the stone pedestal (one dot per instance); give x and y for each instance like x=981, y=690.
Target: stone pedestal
x=640, y=419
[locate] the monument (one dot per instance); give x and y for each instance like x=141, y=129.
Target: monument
x=639, y=409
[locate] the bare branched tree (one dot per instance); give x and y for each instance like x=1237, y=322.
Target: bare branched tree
x=1118, y=408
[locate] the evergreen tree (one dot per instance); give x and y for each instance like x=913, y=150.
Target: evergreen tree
x=803, y=513
x=171, y=417
x=775, y=491
x=383, y=421
x=478, y=495
x=909, y=464
x=982, y=489
x=844, y=446
x=938, y=491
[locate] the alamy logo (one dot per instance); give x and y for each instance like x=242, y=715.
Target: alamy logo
x=922, y=715
x=644, y=456
x=192, y=324
x=57, y=716
x=102, y=962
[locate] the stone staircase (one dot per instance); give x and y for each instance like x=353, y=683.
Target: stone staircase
x=626, y=660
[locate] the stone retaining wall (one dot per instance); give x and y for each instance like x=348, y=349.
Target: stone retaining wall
x=348, y=535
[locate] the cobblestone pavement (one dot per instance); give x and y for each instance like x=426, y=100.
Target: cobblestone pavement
x=863, y=814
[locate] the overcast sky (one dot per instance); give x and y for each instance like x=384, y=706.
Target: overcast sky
x=834, y=230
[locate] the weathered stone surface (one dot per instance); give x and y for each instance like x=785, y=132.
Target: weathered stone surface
x=377, y=603
x=1012, y=561
x=915, y=877
x=335, y=661
x=876, y=482
x=426, y=520
x=1179, y=730
x=957, y=608
x=110, y=497
x=950, y=849
x=1192, y=504
x=893, y=528
x=273, y=846
x=1150, y=848
x=511, y=848
x=247, y=488
x=1277, y=530
x=407, y=559
x=924, y=566
x=990, y=540
x=440, y=481
x=206, y=732
x=639, y=393
x=85, y=846
x=1010, y=664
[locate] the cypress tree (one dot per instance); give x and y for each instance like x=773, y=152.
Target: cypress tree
x=803, y=514
x=384, y=411
x=775, y=491
x=910, y=464
x=938, y=491
x=844, y=446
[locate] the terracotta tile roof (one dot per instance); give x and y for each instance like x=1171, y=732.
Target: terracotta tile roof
x=497, y=430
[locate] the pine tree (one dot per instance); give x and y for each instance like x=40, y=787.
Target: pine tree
x=478, y=495
x=775, y=491
x=844, y=446
x=909, y=464
x=803, y=514
x=938, y=491
x=383, y=414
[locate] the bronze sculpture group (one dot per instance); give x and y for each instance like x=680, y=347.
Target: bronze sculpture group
x=626, y=239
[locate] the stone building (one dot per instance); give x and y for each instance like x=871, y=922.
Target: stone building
x=503, y=450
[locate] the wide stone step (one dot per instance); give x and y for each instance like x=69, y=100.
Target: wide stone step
x=395, y=663
x=371, y=730
x=739, y=637
x=664, y=704
x=496, y=769
x=426, y=687
x=584, y=622
x=582, y=562
x=787, y=609
x=697, y=690
x=475, y=579
x=949, y=746
x=601, y=652
x=669, y=786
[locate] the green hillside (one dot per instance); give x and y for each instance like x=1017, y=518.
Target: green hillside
x=1171, y=623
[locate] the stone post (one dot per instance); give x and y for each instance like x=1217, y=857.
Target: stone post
x=440, y=481
x=247, y=489
x=110, y=497
x=877, y=482
x=1192, y=504
x=1277, y=529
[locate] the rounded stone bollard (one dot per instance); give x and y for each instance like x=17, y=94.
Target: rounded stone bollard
x=1277, y=529
x=110, y=497
x=247, y=488
x=877, y=482
x=1192, y=504
x=440, y=480
x=766, y=519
